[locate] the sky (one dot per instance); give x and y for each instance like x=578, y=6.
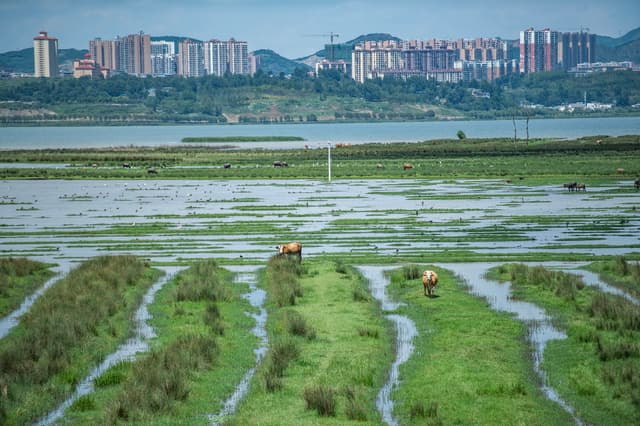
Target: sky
x=297, y=28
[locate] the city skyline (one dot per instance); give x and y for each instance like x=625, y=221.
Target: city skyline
x=293, y=28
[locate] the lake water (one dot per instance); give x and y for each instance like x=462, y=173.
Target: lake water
x=315, y=135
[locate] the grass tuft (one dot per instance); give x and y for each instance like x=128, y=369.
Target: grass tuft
x=321, y=398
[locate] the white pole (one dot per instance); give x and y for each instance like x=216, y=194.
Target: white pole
x=329, y=155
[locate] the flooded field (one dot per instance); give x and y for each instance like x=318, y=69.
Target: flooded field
x=241, y=221
x=465, y=226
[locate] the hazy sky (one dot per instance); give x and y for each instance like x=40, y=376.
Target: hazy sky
x=291, y=28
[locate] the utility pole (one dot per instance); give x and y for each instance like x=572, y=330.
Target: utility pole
x=329, y=157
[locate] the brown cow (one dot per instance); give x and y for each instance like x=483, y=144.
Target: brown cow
x=406, y=166
x=290, y=248
x=581, y=186
x=429, y=281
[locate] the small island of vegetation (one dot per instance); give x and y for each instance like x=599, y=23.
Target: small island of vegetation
x=242, y=139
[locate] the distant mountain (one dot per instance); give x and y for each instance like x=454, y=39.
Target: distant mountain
x=270, y=61
x=625, y=48
x=22, y=60
x=607, y=41
x=342, y=49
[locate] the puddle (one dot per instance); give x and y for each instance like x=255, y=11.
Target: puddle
x=256, y=297
x=127, y=351
x=540, y=329
x=13, y=319
x=405, y=333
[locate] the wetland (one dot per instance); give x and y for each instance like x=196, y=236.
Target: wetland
x=346, y=336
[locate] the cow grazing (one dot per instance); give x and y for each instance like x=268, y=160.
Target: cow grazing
x=406, y=166
x=429, y=281
x=290, y=248
x=126, y=165
x=226, y=165
x=152, y=170
x=620, y=171
x=571, y=186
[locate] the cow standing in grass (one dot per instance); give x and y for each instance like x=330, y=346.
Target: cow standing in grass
x=429, y=281
x=291, y=248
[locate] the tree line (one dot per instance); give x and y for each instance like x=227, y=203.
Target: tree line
x=209, y=97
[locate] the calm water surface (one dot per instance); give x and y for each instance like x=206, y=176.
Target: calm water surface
x=315, y=135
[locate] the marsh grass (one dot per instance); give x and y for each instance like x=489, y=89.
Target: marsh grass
x=282, y=280
x=19, y=277
x=161, y=379
x=321, y=398
x=67, y=331
x=595, y=368
x=195, y=363
x=620, y=272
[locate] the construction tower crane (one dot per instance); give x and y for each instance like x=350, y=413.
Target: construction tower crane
x=331, y=36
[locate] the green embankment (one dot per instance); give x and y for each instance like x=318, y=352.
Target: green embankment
x=538, y=161
x=596, y=368
x=19, y=277
x=470, y=365
x=329, y=349
x=67, y=331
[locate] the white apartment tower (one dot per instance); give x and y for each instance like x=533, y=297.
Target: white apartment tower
x=45, y=55
x=191, y=59
x=163, y=58
x=221, y=57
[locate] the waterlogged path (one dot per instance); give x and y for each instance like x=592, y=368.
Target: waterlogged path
x=541, y=331
x=256, y=297
x=127, y=351
x=13, y=319
x=405, y=333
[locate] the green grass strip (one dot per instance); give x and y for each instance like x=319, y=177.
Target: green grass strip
x=596, y=368
x=203, y=349
x=470, y=365
x=19, y=277
x=69, y=330
x=339, y=347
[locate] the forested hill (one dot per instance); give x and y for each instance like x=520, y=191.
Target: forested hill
x=332, y=96
x=21, y=61
x=624, y=48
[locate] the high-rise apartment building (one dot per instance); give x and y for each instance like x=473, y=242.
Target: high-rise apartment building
x=538, y=50
x=576, y=48
x=403, y=59
x=163, y=58
x=45, y=55
x=191, y=58
x=105, y=53
x=135, y=54
x=226, y=56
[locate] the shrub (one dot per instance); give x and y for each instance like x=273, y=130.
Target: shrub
x=213, y=319
x=201, y=282
x=280, y=354
x=411, y=272
x=322, y=399
x=297, y=325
